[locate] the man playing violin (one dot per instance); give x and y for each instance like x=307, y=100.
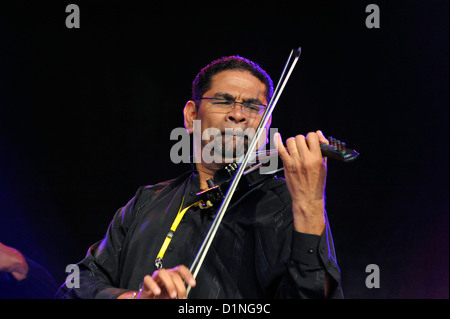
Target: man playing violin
x=274, y=240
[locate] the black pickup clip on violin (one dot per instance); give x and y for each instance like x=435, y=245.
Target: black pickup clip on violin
x=224, y=192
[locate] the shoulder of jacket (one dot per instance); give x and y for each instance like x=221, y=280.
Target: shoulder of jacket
x=149, y=191
x=277, y=186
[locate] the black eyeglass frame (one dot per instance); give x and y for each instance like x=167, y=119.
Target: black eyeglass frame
x=251, y=107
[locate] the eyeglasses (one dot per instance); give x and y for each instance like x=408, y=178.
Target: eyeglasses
x=226, y=105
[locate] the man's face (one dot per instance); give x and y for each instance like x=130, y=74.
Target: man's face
x=240, y=86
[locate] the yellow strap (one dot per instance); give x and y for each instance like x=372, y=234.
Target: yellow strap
x=173, y=228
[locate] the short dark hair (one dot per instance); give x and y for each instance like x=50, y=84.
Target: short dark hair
x=202, y=82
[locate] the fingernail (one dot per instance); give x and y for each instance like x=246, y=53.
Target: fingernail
x=276, y=137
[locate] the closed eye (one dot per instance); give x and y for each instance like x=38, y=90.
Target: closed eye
x=222, y=101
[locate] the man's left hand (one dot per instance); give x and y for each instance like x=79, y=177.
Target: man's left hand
x=305, y=171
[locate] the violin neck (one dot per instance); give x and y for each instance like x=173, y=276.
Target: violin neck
x=336, y=149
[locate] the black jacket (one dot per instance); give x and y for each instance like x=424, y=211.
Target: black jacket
x=256, y=252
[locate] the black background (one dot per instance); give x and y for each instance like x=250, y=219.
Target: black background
x=86, y=115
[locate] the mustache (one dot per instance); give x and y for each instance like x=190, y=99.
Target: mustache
x=228, y=145
x=235, y=133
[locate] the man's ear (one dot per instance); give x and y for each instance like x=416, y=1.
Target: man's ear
x=190, y=114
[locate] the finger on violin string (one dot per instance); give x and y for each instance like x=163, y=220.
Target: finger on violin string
x=278, y=142
x=313, y=142
x=295, y=145
x=322, y=138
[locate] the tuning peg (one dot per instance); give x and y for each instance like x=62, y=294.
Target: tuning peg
x=330, y=140
x=333, y=141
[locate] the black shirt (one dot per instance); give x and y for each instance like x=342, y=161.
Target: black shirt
x=256, y=252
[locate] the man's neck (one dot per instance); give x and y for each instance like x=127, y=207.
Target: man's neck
x=204, y=174
x=207, y=171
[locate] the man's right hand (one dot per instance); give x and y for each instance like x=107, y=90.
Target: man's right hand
x=167, y=284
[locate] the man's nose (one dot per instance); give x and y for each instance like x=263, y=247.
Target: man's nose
x=237, y=114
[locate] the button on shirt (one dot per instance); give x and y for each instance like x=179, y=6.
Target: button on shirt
x=256, y=252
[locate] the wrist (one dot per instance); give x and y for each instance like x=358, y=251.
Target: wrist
x=309, y=216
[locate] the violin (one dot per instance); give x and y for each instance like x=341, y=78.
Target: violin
x=214, y=194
